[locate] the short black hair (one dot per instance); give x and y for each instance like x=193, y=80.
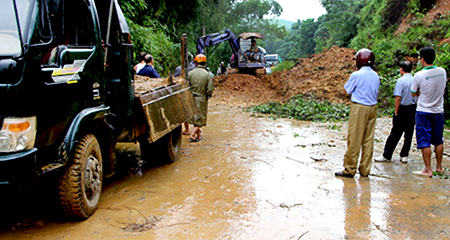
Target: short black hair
x=406, y=66
x=148, y=58
x=142, y=56
x=202, y=63
x=428, y=54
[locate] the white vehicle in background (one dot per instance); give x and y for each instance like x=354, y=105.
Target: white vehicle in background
x=272, y=60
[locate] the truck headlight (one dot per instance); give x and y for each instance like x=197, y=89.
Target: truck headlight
x=17, y=134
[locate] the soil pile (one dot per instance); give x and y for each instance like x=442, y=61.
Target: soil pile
x=322, y=75
x=244, y=90
x=145, y=84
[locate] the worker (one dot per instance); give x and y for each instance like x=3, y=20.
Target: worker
x=202, y=86
x=141, y=63
x=253, y=50
x=222, y=69
x=149, y=70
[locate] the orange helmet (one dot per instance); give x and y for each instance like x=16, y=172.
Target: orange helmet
x=200, y=58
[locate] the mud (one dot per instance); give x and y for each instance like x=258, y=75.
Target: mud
x=322, y=75
x=250, y=178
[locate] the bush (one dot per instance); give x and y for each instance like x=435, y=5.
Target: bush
x=286, y=65
x=304, y=108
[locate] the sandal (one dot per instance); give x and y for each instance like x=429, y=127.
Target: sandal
x=342, y=174
x=192, y=139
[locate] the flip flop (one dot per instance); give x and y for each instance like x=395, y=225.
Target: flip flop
x=419, y=173
x=199, y=139
x=192, y=140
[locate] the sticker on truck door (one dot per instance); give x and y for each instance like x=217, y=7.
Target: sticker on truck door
x=69, y=73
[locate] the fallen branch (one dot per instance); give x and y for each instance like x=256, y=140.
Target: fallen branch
x=302, y=235
x=319, y=187
x=381, y=230
x=271, y=204
x=297, y=161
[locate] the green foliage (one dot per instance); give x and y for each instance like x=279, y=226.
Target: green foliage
x=300, y=41
x=285, y=65
x=151, y=36
x=386, y=99
x=393, y=12
x=286, y=23
x=341, y=20
x=306, y=109
x=321, y=35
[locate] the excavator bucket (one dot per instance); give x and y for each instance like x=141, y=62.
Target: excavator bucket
x=260, y=71
x=233, y=70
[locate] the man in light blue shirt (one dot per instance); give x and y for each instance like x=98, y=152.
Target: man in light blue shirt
x=363, y=86
x=403, y=120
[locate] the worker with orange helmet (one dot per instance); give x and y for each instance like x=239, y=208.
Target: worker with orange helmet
x=202, y=86
x=363, y=86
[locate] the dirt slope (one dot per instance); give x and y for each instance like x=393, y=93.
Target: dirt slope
x=440, y=7
x=323, y=75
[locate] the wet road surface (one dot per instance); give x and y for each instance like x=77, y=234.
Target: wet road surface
x=251, y=178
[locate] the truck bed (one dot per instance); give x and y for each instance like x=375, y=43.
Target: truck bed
x=165, y=105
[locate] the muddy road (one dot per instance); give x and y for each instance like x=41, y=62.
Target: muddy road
x=250, y=178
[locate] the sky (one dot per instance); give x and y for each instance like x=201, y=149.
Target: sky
x=300, y=9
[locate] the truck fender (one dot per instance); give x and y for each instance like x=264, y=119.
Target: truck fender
x=90, y=120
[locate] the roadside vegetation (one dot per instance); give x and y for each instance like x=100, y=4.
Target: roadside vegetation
x=304, y=108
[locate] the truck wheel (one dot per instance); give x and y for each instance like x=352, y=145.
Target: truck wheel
x=165, y=150
x=172, y=145
x=81, y=184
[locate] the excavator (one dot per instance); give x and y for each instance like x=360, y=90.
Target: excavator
x=242, y=59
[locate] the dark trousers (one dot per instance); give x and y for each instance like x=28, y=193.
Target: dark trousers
x=402, y=123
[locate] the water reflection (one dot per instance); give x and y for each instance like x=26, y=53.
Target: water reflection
x=357, y=207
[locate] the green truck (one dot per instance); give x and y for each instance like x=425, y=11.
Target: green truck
x=67, y=98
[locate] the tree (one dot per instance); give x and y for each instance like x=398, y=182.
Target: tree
x=341, y=20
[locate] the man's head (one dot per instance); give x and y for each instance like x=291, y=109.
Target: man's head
x=253, y=41
x=364, y=57
x=406, y=67
x=427, y=54
x=148, y=58
x=200, y=59
x=142, y=56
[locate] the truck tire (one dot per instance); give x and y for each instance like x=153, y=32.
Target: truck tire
x=81, y=184
x=165, y=150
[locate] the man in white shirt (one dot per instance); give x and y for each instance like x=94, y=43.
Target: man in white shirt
x=429, y=85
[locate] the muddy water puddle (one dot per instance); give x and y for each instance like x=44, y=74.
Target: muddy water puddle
x=257, y=178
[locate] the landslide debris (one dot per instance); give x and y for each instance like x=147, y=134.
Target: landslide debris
x=143, y=84
x=322, y=75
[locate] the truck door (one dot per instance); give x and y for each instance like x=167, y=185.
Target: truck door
x=71, y=64
x=118, y=56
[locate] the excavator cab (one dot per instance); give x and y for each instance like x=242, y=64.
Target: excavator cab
x=250, y=61
x=242, y=58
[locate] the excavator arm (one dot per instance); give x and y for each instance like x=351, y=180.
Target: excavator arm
x=216, y=38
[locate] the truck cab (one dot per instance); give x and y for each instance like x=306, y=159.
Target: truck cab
x=67, y=94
